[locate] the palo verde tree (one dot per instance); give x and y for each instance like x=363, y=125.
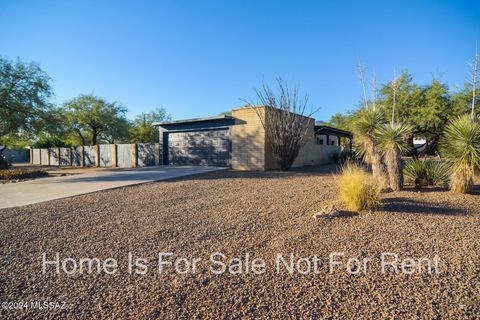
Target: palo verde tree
x=91, y=118
x=285, y=120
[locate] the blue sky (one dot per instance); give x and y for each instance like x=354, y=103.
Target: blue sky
x=199, y=58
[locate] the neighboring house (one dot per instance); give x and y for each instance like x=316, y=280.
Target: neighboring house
x=239, y=141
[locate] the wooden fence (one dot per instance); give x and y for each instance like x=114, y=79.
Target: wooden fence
x=103, y=155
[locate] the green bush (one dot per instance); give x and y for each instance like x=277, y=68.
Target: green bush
x=21, y=174
x=422, y=173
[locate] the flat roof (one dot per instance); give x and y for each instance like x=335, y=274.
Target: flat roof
x=222, y=117
x=331, y=130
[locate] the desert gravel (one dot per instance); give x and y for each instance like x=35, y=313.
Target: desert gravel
x=236, y=213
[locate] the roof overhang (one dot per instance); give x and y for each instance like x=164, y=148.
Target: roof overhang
x=206, y=123
x=222, y=117
x=320, y=129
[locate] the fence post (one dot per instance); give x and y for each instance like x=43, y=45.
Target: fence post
x=161, y=134
x=48, y=156
x=82, y=156
x=158, y=154
x=114, y=156
x=59, y=157
x=97, y=155
x=31, y=155
x=70, y=155
x=134, y=155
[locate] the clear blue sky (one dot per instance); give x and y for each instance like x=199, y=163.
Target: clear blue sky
x=198, y=58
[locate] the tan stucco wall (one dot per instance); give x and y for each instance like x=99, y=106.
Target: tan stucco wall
x=248, y=140
x=251, y=149
x=312, y=153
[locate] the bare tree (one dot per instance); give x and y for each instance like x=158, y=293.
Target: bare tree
x=285, y=120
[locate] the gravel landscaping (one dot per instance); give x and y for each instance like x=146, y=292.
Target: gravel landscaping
x=259, y=213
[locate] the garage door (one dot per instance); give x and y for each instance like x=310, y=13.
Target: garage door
x=201, y=148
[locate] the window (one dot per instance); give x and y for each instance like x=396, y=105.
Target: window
x=319, y=140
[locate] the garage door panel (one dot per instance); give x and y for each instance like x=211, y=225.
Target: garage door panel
x=210, y=148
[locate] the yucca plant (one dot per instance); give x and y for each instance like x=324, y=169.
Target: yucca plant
x=460, y=145
x=367, y=122
x=414, y=173
x=438, y=173
x=393, y=142
x=423, y=173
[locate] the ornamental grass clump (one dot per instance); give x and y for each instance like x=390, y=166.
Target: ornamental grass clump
x=460, y=145
x=358, y=189
x=422, y=173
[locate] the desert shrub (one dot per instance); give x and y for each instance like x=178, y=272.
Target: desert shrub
x=21, y=174
x=358, y=189
x=427, y=173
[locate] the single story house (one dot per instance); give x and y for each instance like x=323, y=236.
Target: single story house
x=239, y=141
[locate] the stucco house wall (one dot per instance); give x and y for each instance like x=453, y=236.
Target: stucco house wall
x=312, y=153
x=251, y=149
x=248, y=140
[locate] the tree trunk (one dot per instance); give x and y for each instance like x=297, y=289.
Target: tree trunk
x=394, y=168
x=81, y=136
x=3, y=161
x=462, y=178
x=375, y=159
x=94, y=137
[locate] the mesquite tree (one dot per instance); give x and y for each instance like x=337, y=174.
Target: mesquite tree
x=24, y=101
x=90, y=117
x=285, y=120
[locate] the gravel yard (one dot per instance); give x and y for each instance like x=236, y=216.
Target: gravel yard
x=258, y=213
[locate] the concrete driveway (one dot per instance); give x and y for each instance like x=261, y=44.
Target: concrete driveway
x=44, y=189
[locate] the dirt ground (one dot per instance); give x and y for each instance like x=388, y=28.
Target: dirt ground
x=264, y=215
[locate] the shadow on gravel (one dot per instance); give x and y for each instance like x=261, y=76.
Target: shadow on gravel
x=426, y=189
x=347, y=214
x=408, y=206
x=475, y=190
x=323, y=170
